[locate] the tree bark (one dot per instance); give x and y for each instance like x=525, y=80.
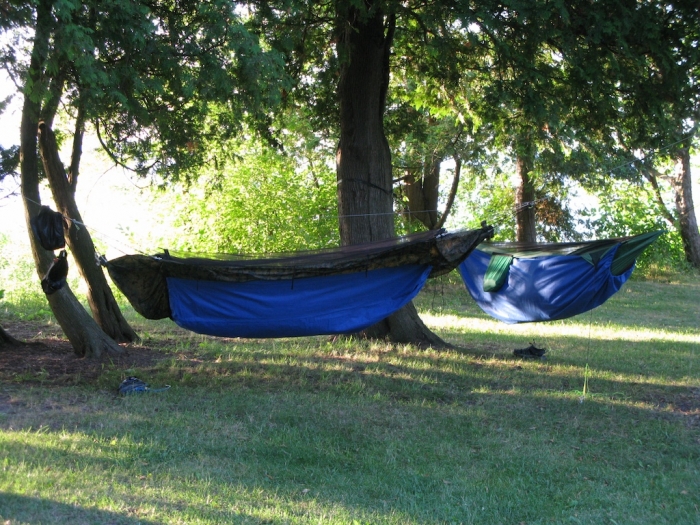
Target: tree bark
x=81, y=330
x=7, y=339
x=453, y=193
x=102, y=303
x=652, y=175
x=687, y=222
x=524, y=197
x=423, y=193
x=363, y=158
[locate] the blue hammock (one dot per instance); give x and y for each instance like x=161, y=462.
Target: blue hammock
x=334, y=304
x=332, y=291
x=519, y=286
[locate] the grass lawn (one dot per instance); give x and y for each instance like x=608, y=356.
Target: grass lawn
x=604, y=430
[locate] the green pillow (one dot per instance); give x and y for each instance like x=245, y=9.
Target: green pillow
x=497, y=272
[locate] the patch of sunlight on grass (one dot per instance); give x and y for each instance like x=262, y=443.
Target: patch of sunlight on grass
x=555, y=329
x=602, y=400
x=639, y=379
x=577, y=372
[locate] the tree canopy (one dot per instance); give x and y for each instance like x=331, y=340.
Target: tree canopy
x=546, y=84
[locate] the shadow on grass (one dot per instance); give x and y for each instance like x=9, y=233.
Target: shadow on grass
x=16, y=508
x=455, y=377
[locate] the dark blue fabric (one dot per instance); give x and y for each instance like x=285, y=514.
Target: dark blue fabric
x=334, y=304
x=543, y=288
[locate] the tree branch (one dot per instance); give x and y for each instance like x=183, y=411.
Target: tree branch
x=652, y=175
x=453, y=193
x=77, y=149
x=113, y=156
x=48, y=112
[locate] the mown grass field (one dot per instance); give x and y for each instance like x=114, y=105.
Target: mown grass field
x=605, y=430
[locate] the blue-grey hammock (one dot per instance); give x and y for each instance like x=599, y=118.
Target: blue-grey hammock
x=334, y=291
x=519, y=282
x=334, y=304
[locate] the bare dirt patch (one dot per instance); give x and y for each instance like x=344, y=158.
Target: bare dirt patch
x=45, y=355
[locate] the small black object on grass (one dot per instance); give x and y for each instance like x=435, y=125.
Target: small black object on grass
x=134, y=385
x=531, y=352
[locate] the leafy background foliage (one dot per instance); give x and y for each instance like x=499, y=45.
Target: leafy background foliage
x=629, y=209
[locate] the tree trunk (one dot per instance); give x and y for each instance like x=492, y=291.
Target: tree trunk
x=524, y=198
x=453, y=193
x=86, y=337
x=104, y=307
x=653, y=176
x=363, y=159
x=7, y=339
x=687, y=222
x=423, y=193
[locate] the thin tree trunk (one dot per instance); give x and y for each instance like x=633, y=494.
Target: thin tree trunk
x=81, y=330
x=365, y=200
x=104, y=307
x=423, y=193
x=452, y=195
x=524, y=197
x=687, y=222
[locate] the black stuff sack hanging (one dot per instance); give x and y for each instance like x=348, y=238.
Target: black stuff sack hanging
x=47, y=226
x=56, y=276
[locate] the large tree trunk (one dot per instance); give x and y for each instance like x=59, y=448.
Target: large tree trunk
x=365, y=201
x=363, y=158
x=687, y=221
x=104, y=307
x=86, y=337
x=525, y=221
